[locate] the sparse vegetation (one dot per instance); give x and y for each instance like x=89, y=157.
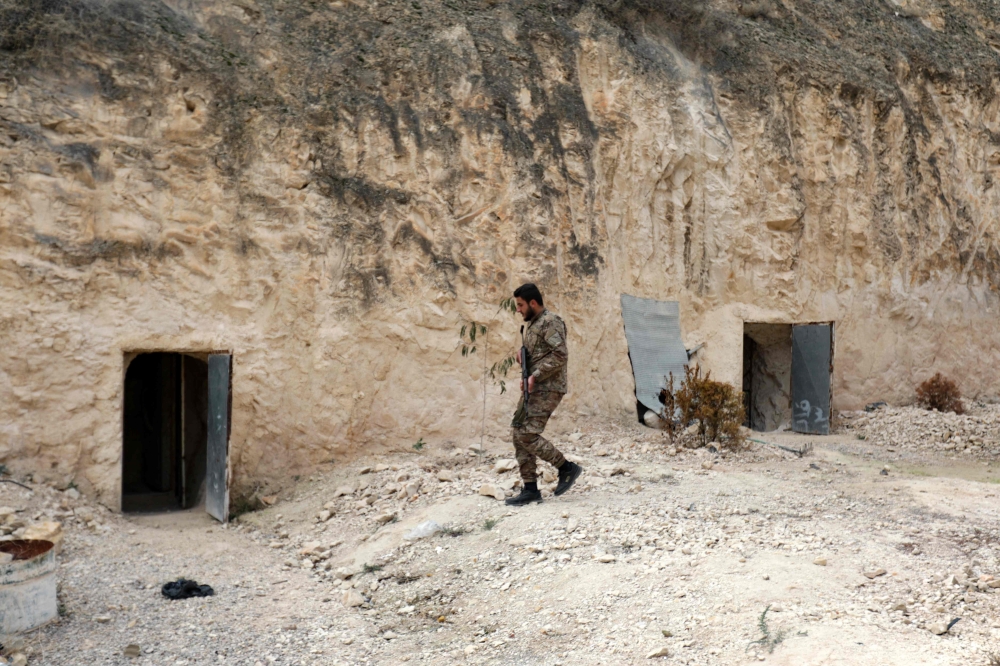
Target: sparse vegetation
x=470, y=335
x=767, y=640
x=371, y=568
x=490, y=523
x=419, y=445
x=473, y=331
x=453, y=530
x=244, y=501
x=940, y=394
x=717, y=408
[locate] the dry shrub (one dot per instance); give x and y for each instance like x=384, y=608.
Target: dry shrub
x=716, y=407
x=669, y=401
x=940, y=394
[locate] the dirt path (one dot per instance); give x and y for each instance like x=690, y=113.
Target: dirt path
x=652, y=551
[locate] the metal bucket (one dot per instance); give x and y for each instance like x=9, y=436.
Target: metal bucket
x=27, y=585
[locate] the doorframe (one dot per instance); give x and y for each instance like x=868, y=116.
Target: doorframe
x=833, y=346
x=129, y=354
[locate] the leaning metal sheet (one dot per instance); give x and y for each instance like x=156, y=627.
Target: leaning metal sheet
x=653, y=331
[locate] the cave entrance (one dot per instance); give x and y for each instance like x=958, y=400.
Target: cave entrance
x=786, y=376
x=175, y=432
x=767, y=376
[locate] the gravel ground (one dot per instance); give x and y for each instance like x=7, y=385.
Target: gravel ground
x=860, y=561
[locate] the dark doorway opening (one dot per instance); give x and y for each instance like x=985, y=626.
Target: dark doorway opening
x=165, y=432
x=767, y=376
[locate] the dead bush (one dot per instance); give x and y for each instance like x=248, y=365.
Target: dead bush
x=716, y=407
x=668, y=398
x=940, y=394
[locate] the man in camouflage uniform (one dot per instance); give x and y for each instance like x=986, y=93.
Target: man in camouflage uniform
x=545, y=339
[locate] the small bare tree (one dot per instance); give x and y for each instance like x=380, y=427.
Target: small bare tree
x=471, y=335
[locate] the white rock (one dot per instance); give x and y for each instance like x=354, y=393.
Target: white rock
x=45, y=531
x=310, y=547
x=491, y=490
x=353, y=599
x=446, y=476
x=504, y=465
x=653, y=420
x=423, y=530
x=345, y=490
x=938, y=628
x=384, y=518
x=820, y=561
x=659, y=652
x=607, y=559
x=323, y=515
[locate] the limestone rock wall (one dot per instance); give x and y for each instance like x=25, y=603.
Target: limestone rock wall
x=330, y=189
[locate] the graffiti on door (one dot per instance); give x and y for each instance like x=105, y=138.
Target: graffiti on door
x=808, y=418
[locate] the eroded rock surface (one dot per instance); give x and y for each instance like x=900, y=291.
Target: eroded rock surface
x=329, y=189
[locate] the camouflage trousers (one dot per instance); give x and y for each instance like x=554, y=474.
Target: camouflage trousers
x=529, y=445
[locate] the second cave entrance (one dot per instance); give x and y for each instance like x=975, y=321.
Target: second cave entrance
x=786, y=376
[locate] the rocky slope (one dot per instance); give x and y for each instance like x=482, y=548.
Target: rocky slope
x=328, y=189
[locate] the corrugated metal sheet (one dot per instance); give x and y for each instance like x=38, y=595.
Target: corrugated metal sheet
x=653, y=331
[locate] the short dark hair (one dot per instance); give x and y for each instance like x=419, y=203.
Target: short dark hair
x=529, y=292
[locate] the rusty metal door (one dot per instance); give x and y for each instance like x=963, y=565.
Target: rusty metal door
x=217, y=464
x=812, y=355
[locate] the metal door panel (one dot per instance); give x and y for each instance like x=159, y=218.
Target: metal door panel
x=811, y=357
x=217, y=464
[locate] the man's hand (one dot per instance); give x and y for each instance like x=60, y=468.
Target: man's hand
x=531, y=384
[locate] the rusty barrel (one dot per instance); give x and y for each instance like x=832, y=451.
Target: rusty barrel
x=27, y=585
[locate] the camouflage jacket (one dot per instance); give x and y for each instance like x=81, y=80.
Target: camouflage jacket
x=545, y=338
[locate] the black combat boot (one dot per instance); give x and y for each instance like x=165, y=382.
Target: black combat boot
x=568, y=474
x=529, y=493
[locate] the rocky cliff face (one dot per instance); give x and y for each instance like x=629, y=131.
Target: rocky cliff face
x=328, y=189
